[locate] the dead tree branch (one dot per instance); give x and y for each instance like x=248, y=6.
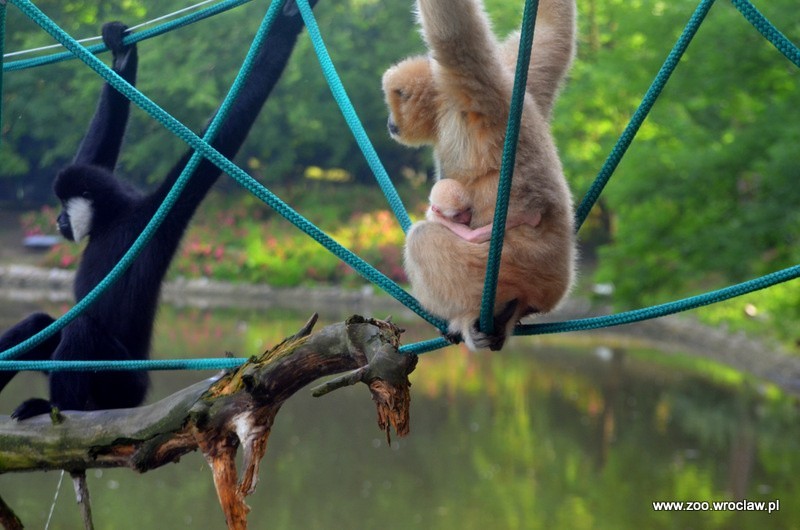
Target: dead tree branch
x=219, y=415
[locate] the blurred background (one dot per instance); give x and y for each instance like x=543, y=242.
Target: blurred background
x=580, y=431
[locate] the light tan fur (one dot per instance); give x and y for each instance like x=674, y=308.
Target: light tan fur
x=457, y=99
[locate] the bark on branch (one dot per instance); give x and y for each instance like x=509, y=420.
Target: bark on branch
x=221, y=414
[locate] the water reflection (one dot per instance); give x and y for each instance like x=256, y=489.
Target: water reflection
x=540, y=436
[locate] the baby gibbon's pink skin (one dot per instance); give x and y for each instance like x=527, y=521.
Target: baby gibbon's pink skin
x=450, y=205
x=457, y=100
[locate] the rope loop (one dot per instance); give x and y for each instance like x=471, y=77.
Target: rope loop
x=204, y=150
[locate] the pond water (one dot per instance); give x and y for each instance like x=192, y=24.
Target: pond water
x=547, y=434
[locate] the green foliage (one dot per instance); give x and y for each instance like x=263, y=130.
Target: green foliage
x=188, y=72
x=707, y=194
x=773, y=310
x=236, y=238
x=240, y=241
x=45, y=108
x=363, y=38
x=13, y=164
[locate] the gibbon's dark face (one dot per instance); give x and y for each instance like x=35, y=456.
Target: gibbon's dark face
x=89, y=195
x=75, y=220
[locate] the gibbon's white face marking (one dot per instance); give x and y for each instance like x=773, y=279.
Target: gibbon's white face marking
x=79, y=211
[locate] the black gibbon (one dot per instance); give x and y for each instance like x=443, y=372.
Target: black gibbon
x=111, y=213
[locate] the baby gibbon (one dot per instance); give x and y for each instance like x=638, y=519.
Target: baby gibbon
x=457, y=99
x=450, y=205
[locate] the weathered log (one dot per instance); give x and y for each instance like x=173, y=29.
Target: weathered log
x=221, y=414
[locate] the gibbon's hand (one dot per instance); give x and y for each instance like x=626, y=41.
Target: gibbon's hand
x=113, y=35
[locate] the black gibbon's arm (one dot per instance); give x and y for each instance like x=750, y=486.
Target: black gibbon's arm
x=274, y=54
x=119, y=324
x=101, y=145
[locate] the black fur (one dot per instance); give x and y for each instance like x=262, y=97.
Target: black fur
x=118, y=326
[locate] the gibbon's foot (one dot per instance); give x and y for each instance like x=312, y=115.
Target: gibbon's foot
x=453, y=337
x=495, y=341
x=30, y=408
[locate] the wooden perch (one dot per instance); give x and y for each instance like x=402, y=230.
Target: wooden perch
x=220, y=414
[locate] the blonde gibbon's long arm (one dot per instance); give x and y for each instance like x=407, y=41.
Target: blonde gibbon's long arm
x=551, y=54
x=466, y=53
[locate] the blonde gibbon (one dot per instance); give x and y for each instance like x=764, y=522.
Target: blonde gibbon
x=457, y=99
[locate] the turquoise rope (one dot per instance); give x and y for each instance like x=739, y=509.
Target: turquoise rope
x=768, y=30
x=174, y=193
x=106, y=366
x=419, y=348
x=130, y=39
x=661, y=310
x=365, y=269
x=350, y=116
x=637, y=315
x=329, y=70
x=764, y=26
x=641, y=113
x=507, y=166
x=425, y=346
x=242, y=178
